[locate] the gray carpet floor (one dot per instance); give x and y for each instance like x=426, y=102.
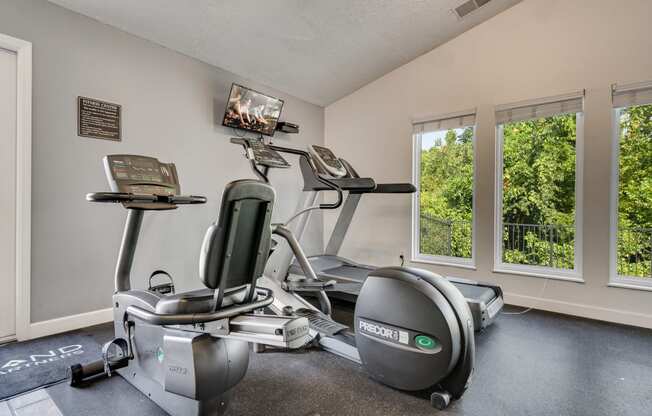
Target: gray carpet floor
x=535, y=364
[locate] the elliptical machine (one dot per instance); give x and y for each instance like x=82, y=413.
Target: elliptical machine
x=413, y=329
x=186, y=351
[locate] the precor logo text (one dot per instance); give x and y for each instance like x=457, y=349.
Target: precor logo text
x=379, y=330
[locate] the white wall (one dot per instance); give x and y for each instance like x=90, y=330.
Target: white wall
x=536, y=49
x=170, y=106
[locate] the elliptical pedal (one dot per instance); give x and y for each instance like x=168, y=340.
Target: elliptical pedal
x=320, y=322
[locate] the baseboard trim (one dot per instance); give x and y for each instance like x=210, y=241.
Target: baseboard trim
x=578, y=309
x=69, y=323
x=7, y=339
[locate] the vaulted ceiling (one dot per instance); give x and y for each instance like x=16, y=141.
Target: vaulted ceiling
x=317, y=50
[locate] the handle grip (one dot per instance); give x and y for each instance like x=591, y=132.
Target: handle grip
x=186, y=199
x=334, y=187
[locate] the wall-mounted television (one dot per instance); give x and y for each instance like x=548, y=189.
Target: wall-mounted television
x=251, y=110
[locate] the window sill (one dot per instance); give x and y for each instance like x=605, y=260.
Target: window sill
x=445, y=261
x=567, y=276
x=629, y=284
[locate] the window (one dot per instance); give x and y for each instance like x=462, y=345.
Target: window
x=444, y=173
x=631, y=191
x=538, y=189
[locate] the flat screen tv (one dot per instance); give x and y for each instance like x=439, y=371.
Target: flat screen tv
x=251, y=110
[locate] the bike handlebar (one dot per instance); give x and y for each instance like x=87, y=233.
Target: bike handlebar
x=124, y=197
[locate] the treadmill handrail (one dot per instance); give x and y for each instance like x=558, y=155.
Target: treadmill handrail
x=311, y=163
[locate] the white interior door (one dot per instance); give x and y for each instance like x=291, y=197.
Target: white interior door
x=8, y=86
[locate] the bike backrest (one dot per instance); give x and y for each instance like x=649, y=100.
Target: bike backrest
x=236, y=247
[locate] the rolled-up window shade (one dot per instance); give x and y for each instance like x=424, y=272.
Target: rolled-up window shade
x=544, y=107
x=444, y=122
x=631, y=94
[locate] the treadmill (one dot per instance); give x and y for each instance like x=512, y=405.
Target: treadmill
x=319, y=174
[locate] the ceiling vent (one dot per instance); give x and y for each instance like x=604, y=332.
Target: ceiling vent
x=469, y=7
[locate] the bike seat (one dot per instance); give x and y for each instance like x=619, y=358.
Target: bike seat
x=198, y=301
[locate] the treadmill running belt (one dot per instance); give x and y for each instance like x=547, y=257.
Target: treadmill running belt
x=348, y=288
x=469, y=291
x=349, y=272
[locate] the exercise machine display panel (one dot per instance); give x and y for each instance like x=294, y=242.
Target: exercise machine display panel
x=328, y=160
x=261, y=154
x=141, y=175
x=266, y=156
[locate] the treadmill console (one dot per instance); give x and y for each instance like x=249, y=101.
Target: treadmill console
x=141, y=175
x=262, y=154
x=328, y=161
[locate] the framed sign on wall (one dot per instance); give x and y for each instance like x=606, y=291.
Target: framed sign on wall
x=99, y=119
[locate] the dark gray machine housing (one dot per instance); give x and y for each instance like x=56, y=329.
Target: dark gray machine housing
x=406, y=304
x=287, y=127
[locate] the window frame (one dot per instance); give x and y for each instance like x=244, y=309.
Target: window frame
x=615, y=279
x=416, y=255
x=572, y=275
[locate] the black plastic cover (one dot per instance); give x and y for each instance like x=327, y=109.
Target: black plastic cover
x=394, y=188
x=396, y=307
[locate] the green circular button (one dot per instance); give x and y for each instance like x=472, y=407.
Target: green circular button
x=425, y=342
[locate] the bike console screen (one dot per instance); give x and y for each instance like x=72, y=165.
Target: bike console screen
x=141, y=175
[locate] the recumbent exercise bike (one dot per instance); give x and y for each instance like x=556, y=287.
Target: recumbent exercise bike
x=186, y=351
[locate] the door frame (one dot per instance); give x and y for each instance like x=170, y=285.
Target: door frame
x=23, y=50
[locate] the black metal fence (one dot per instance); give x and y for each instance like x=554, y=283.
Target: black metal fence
x=442, y=237
x=550, y=245
x=635, y=252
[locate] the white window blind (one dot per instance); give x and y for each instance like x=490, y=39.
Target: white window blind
x=631, y=94
x=544, y=107
x=444, y=122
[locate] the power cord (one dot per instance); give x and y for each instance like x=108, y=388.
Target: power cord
x=523, y=312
